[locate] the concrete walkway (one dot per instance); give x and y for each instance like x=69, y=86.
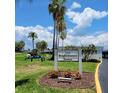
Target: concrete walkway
x=103, y=75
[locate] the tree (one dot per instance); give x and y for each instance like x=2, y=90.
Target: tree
x=57, y=9
x=61, y=26
x=41, y=45
x=44, y=45
x=38, y=46
x=63, y=35
x=22, y=44
x=17, y=49
x=33, y=36
x=71, y=47
x=19, y=46
x=87, y=51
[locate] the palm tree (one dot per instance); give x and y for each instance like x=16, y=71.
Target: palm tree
x=53, y=8
x=33, y=36
x=61, y=27
x=57, y=9
x=63, y=35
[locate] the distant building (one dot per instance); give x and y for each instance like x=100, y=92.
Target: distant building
x=47, y=51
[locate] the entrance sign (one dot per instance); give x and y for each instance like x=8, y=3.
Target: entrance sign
x=68, y=55
x=74, y=55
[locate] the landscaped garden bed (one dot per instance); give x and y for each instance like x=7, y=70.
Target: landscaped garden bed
x=51, y=79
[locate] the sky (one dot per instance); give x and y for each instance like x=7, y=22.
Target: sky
x=86, y=20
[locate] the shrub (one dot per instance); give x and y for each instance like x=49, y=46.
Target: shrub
x=91, y=60
x=77, y=76
x=53, y=74
x=67, y=74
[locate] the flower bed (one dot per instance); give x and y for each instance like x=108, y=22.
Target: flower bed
x=65, y=74
x=51, y=79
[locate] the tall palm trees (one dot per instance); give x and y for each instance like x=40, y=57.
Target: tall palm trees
x=33, y=36
x=57, y=9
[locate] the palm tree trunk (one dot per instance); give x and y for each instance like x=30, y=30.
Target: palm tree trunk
x=57, y=39
x=54, y=40
x=55, y=47
x=33, y=43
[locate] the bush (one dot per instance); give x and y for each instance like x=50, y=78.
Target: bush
x=53, y=74
x=47, y=56
x=91, y=60
x=77, y=76
x=65, y=74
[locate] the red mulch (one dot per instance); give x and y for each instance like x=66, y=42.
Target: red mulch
x=87, y=81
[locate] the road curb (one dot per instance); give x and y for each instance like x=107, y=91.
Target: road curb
x=98, y=87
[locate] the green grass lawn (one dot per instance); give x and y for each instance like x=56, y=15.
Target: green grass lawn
x=36, y=69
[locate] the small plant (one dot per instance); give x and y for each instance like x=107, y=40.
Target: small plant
x=77, y=76
x=67, y=74
x=53, y=74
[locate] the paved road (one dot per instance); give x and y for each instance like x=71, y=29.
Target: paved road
x=103, y=75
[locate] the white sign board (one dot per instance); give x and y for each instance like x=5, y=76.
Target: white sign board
x=68, y=55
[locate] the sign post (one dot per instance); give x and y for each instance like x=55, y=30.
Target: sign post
x=56, y=60
x=80, y=62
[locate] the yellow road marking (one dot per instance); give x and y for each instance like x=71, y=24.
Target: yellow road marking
x=98, y=87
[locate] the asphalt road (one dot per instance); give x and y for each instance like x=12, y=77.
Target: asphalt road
x=103, y=75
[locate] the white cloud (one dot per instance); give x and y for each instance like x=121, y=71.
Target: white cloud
x=98, y=40
x=50, y=28
x=75, y=5
x=85, y=18
x=44, y=34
